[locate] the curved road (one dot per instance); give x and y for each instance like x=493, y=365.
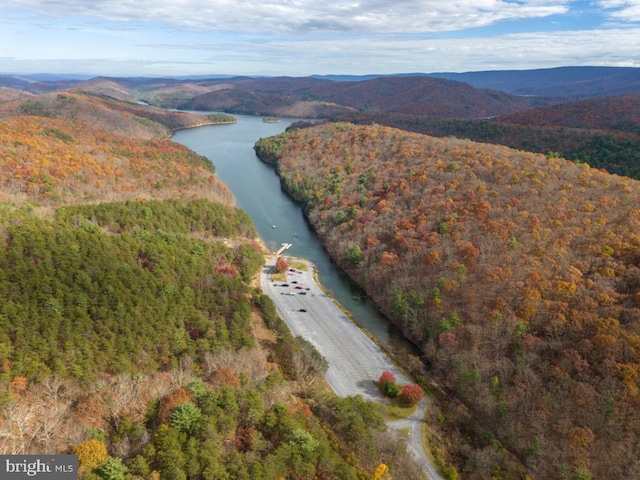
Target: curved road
x=355, y=361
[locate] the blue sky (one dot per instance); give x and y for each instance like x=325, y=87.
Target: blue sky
x=304, y=37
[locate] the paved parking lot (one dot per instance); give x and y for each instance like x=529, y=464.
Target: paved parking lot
x=355, y=361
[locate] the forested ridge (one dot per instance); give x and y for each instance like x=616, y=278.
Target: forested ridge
x=314, y=98
x=603, y=132
x=621, y=113
x=132, y=333
x=105, y=113
x=515, y=273
x=57, y=161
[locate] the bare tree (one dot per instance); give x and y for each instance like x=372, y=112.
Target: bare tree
x=126, y=395
x=21, y=427
x=181, y=376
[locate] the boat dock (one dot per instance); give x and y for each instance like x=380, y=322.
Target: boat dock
x=283, y=247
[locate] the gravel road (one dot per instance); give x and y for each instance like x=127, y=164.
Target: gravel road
x=355, y=361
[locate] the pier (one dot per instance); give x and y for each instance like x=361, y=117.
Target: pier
x=283, y=247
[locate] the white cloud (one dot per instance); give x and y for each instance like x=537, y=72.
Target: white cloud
x=616, y=47
x=373, y=54
x=301, y=37
x=622, y=10
x=300, y=16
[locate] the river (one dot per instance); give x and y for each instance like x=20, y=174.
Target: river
x=256, y=188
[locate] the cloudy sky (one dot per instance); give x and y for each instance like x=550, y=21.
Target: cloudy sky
x=304, y=37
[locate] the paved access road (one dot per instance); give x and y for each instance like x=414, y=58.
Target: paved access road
x=355, y=361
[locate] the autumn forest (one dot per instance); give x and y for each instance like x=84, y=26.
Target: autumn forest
x=498, y=232
x=515, y=273
x=133, y=334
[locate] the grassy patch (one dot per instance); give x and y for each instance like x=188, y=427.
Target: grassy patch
x=394, y=410
x=279, y=277
x=299, y=266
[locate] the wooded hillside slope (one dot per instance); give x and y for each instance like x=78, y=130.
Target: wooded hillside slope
x=131, y=336
x=602, y=132
x=621, y=112
x=60, y=162
x=105, y=113
x=516, y=274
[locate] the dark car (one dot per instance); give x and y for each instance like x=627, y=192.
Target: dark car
x=298, y=287
x=302, y=293
x=302, y=310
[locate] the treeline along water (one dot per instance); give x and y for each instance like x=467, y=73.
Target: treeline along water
x=257, y=190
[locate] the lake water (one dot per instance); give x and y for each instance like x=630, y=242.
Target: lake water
x=257, y=190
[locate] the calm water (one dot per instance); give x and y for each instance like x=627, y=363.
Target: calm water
x=257, y=191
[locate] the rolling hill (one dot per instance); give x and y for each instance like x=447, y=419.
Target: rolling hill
x=601, y=132
x=118, y=117
x=515, y=273
x=323, y=96
x=35, y=85
x=76, y=148
x=315, y=98
x=414, y=95
x=9, y=93
x=621, y=113
x=56, y=162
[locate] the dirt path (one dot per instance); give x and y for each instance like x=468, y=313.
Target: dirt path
x=355, y=361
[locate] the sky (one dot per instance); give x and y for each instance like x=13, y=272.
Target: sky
x=306, y=37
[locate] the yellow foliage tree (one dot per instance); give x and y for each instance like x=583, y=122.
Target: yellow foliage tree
x=91, y=454
x=382, y=473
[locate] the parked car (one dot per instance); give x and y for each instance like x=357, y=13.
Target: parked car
x=298, y=287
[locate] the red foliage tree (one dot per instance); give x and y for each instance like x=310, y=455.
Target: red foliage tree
x=411, y=394
x=281, y=265
x=386, y=377
x=244, y=439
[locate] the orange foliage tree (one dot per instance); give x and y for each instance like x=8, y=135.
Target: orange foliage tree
x=281, y=265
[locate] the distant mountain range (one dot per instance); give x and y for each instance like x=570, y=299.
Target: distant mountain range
x=309, y=97
x=574, y=82
x=471, y=95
